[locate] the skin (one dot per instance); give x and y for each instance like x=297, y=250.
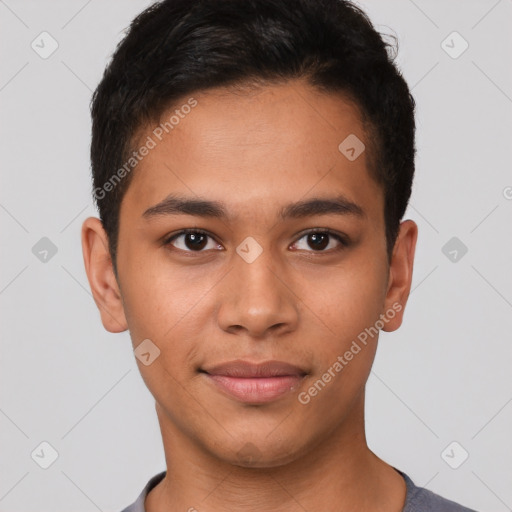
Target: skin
x=257, y=151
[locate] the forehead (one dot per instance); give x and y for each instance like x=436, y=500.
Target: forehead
x=260, y=147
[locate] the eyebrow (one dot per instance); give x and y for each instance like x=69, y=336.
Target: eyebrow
x=179, y=205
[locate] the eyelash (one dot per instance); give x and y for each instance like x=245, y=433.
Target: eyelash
x=344, y=243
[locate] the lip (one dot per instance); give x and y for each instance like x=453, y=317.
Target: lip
x=255, y=383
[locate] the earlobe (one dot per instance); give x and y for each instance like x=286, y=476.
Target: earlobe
x=400, y=275
x=100, y=274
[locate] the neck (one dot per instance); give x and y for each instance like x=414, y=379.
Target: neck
x=340, y=472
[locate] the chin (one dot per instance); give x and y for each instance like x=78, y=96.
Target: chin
x=263, y=453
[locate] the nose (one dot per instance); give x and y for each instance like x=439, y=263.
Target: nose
x=258, y=298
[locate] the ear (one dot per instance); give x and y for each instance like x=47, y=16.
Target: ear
x=400, y=274
x=100, y=273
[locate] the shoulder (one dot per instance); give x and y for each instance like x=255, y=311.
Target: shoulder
x=419, y=499
x=138, y=504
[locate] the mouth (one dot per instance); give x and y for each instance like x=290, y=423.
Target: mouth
x=255, y=383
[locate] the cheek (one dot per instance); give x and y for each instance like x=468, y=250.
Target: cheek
x=173, y=310
x=347, y=307
x=165, y=310
x=158, y=298
x=346, y=300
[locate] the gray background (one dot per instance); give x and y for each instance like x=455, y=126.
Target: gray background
x=443, y=377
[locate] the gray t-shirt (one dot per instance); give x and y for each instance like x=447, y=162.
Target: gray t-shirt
x=417, y=499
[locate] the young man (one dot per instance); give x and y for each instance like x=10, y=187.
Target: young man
x=252, y=161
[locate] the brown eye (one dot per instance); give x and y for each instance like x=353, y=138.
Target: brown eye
x=319, y=240
x=190, y=240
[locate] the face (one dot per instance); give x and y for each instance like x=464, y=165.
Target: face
x=256, y=314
